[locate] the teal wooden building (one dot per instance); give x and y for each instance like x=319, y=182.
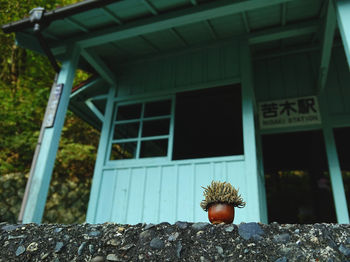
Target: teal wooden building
x=253, y=92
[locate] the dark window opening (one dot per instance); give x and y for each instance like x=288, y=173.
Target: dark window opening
x=342, y=141
x=208, y=123
x=155, y=128
x=154, y=148
x=129, y=112
x=297, y=181
x=159, y=108
x=100, y=104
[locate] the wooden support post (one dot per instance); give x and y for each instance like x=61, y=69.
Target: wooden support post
x=343, y=17
x=39, y=184
x=250, y=154
x=101, y=157
x=339, y=197
x=327, y=44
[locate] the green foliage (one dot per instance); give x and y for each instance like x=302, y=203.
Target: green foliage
x=25, y=82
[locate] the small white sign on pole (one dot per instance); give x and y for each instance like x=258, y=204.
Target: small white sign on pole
x=289, y=112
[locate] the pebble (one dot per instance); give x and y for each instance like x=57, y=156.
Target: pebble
x=16, y=237
x=156, y=243
x=181, y=225
x=148, y=226
x=58, y=247
x=344, y=250
x=173, y=236
x=230, y=228
x=94, y=233
x=113, y=257
x=32, y=247
x=58, y=229
x=199, y=225
x=81, y=248
x=127, y=247
x=282, y=238
x=220, y=250
x=178, y=249
x=146, y=235
x=98, y=259
x=249, y=230
x=91, y=249
x=44, y=256
x=281, y=259
x=9, y=228
x=20, y=250
x=246, y=250
x=297, y=231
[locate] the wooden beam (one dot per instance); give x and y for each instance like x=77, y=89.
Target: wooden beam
x=327, y=43
x=343, y=17
x=178, y=36
x=96, y=62
x=211, y=29
x=112, y=15
x=150, y=7
x=194, y=2
x=76, y=24
x=245, y=22
x=165, y=21
x=284, y=32
x=284, y=14
x=45, y=152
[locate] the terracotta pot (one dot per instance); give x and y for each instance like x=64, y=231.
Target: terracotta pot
x=221, y=212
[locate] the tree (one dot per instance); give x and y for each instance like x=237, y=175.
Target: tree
x=25, y=81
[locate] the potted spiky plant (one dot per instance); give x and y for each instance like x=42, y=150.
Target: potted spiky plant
x=220, y=199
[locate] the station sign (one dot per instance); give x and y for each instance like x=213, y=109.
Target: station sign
x=289, y=112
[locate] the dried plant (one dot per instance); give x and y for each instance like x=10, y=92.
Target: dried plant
x=221, y=192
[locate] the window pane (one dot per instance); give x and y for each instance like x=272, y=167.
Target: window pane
x=129, y=112
x=159, y=108
x=123, y=151
x=130, y=130
x=156, y=127
x=153, y=148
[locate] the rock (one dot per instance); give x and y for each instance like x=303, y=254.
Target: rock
x=199, y=225
x=58, y=229
x=281, y=259
x=246, y=250
x=203, y=259
x=146, y=235
x=181, y=225
x=44, y=256
x=81, y=248
x=220, y=250
x=32, y=247
x=127, y=247
x=297, y=231
x=91, y=249
x=113, y=257
x=173, y=236
x=20, y=250
x=156, y=243
x=148, y=226
x=9, y=228
x=98, y=259
x=58, y=247
x=249, y=230
x=344, y=250
x=229, y=228
x=16, y=237
x=94, y=233
x=282, y=238
x=178, y=249
x=114, y=242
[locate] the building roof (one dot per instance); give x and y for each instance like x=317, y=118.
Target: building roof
x=128, y=30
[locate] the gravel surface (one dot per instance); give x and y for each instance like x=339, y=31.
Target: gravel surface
x=181, y=241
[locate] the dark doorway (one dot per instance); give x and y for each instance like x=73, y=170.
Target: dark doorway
x=342, y=141
x=298, y=188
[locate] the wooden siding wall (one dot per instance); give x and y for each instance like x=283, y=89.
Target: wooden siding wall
x=168, y=192
x=207, y=67
x=296, y=75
